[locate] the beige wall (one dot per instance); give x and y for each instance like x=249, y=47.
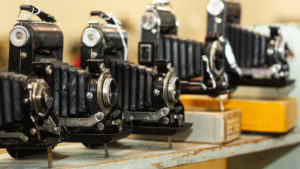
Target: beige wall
x=72, y=15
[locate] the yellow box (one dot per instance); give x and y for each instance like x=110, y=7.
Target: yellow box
x=273, y=116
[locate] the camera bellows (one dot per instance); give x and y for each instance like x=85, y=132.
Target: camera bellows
x=249, y=47
x=135, y=84
x=12, y=94
x=68, y=85
x=185, y=56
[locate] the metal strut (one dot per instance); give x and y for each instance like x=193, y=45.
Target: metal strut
x=221, y=104
x=50, y=157
x=170, y=142
x=106, y=153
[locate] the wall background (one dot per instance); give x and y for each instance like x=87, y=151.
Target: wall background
x=72, y=17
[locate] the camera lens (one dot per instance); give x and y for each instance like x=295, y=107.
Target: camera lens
x=41, y=99
x=19, y=36
x=174, y=89
x=148, y=20
x=110, y=92
x=217, y=58
x=91, y=37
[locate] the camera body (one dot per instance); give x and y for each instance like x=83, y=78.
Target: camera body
x=221, y=12
x=148, y=98
x=261, y=60
x=26, y=118
x=157, y=21
x=83, y=103
x=100, y=40
x=200, y=66
x=28, y=124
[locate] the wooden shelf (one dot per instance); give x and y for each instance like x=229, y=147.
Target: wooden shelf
x=141, y=154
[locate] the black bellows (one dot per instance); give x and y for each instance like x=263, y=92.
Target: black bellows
x=185, y=56
x=68, y=85
x=248, y=47
x=135, y=84
x=12, y=92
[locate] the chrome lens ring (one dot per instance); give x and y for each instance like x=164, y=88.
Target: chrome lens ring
x=40, y=97
x=110, y=92
x=91, y=37
x=174, y=89
x=19, y=36
x=171, y=89
x=107, y=92
x=217, y=58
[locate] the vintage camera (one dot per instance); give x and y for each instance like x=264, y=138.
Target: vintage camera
x=148, y=98
x=84, y=103
x=200, y=66
x=28, y=124
x=260, y=59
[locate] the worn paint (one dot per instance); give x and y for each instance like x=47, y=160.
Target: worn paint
x=138, y=154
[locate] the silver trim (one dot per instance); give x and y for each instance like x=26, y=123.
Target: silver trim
x=167, y=87
x=107, y=93
x=216, y=46
x=17, y=135
x=80, y=122
x=17, y=31
x=279, y=48
x=263, y=72
x=172, y=89
x=86, y=37
x=50, y=126
x=210, y=74
x=215, y=7
x=146, y=116
x=37, y=89
x=149, y=20
x=101, y=96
